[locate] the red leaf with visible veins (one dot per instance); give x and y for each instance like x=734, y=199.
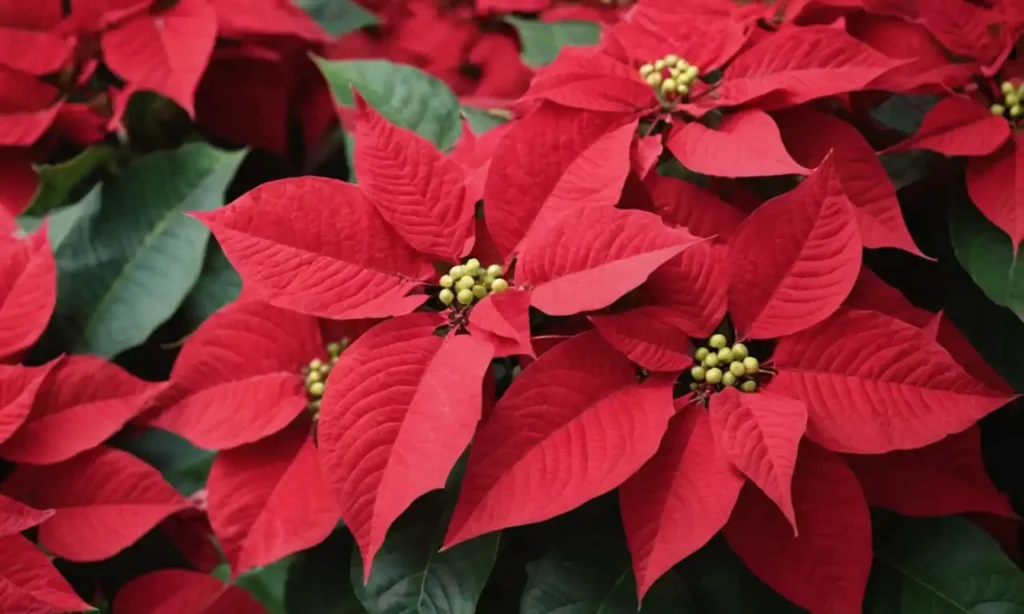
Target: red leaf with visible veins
x=416, y=188
x=28, y=292
x=503, y=320
x=702, y=41
x=176, y=591
x=760, y=433
x=571, y=427
x=105, y=500
x=164, y=52
x=18, y=389
x=648, y=336
x=995, y=185
x=873, y=384
x=237, y=379
x=681, y=203
x=810, y=136
x=679, y=500
x=591, y=80
x=269, y=499
x=799, y=64
x=691, y=287
x=401, y=406
x=745, y=144
x=826, y=568
x=795, y=259
x=15, y=516
x=85, y=400
x=943, y=479
x=592, y=256
x=29, y=582
x=958, y=127
x=550, y=162
x=315, y=245
x=474, y=154
x=967, y=30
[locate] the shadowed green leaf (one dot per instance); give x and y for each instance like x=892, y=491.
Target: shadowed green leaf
x=987, y=254
x=338, y=17
x=542, y=41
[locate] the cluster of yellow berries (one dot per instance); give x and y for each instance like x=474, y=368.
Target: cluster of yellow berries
x=316, y=373
x=724, y=365
x=671, y=75
x=1012, y=99
x=468, y=282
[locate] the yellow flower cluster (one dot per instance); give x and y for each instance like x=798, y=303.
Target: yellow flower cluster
x=672, y=76
x=469, y=282
x=722, y=365
x=316, y=373
x=1012, y=98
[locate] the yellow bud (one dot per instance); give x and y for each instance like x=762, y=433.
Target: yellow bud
x=711, y=360
x=313, y=377
x=315, y=364
x=671, y=58
x=692, y=73
x=737, y=368
x=1012, y=99
x=446, y=281
x=654, y=79
x=674, y=72
x=693, y=386
x=725, y=355
x=479, y=291
x=646, y=69
x=1015, y=110
x=717, y=341
x=701, y=354
x=465, y=283
x=748, y=386
x=324, y=370
x=668, y=85
x=751, y=365
x=316, y=389
x=713, y=376
x=487, y=281
x=997, y=109
x=334, y=348
x=1006, y=87
x=472, y=266
x=446, y=296
x=683, y=89
x=728, y=379
x=465, y=296
x=682, y=65
x=659, y=65
x=499, y=285
x=455, y=272
x=495, y=270
x=739, y=351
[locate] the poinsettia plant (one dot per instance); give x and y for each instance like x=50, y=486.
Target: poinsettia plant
x=510, y=306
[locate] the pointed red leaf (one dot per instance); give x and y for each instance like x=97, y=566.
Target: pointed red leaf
x=550, y=162
x=958, y=126
x=826, y=568
x=679, y=500
x=648, y=336
x=795, y=259
x=400, y=408
x=474, y=154
x=240, y=19
x=943, y=479
x=681, y=203
x=105, y=501
x=83, y=401
x=644, y=154
x=799, y=64
x=691, y=287
x=571, y=427
x=28, y=292
x=15, y=516
x=704, y=41
x=592, y=256
x=237, y=379
x=176, y=591
x=810, y=136
x=745, y=144
x=503, y=320
x=164, y=52
x=29, y=105
x=591, y=80
x=995, y=185
x=416, y=188
x=269, y=499
x=316, y=245
x=873, y=384
x=967, y=29
x=49, y=50
x=760, y=434
x=18, y=389
x=30, y=583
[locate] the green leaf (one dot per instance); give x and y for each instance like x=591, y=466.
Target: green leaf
x=267, y=584
x=542, y=41
x=943, y=566
x=338, y=17
x=183, y=465
x=986, y=253
x=218, y=285
x=411, y=576
x=58, y=182
x=406, y=96
x=904, y=112
x=481, y=120
x=318, y=580
x=597, y=579
x=907, y=167
x=125, y=267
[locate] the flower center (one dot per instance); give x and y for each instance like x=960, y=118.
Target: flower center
x=466, y=283
x=671, y=76
x=1010, y=107
x=316, y=372
x=720, y=366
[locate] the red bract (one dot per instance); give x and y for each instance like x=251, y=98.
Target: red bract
x=170, y=591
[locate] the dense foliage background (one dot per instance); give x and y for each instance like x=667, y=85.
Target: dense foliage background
x=841, y=176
